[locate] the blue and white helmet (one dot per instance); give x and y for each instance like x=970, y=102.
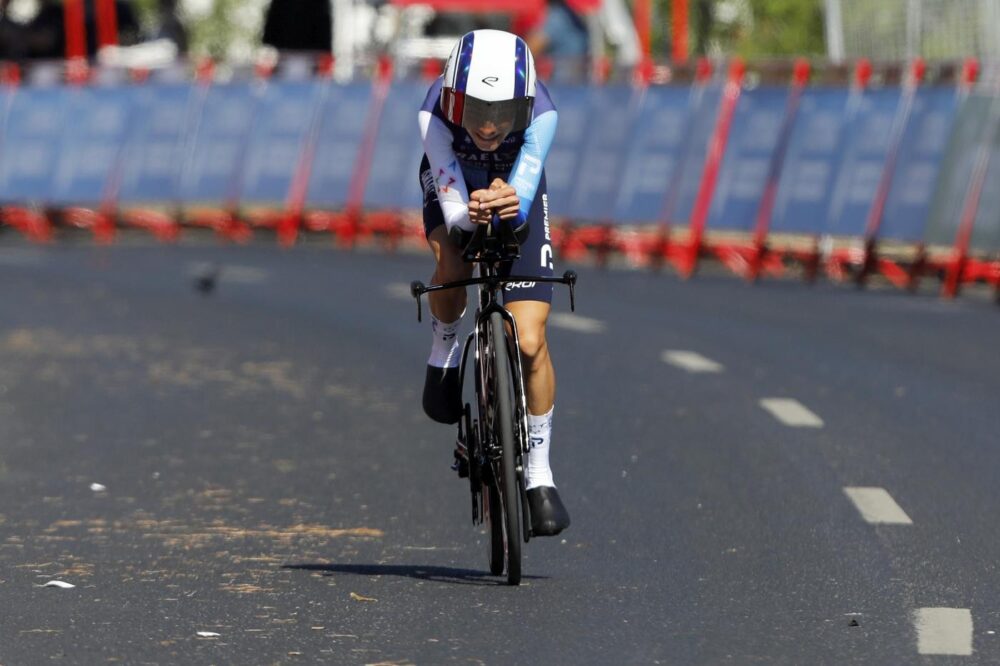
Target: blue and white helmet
x=489, y=78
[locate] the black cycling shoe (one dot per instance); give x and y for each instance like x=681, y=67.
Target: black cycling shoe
x=548, y=515
x=443, y=395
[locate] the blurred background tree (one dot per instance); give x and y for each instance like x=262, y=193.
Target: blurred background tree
x=222, y=29
x=751, y=28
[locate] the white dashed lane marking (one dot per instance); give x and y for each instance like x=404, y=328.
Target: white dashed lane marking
x=564, y=320
x=231, y=273
x=574, y=322
x=399, y=290
x=690, y=361
x=20, y=257
x=944, y=631
x=877, y=506
x=791, y=412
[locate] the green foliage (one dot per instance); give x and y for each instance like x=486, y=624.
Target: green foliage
x=768, y=28
x=213, y=33
x=146, y=11
x=783, y=28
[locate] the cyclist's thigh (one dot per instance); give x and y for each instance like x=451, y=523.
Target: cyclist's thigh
x=450, y=265
x=537, y=255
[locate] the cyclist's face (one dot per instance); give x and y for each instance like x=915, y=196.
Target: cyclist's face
x=489, y=135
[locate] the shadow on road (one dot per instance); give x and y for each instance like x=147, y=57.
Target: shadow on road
x=416, y=571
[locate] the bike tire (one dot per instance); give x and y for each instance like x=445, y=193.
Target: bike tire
x=510, y=494
x=497, y=550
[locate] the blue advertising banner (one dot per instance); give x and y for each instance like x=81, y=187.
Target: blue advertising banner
x=867, y=139
x=213, y=171
x=92, y=148
x=393, y=182
x=164, y=117
x=814, y=151
x=986, y=232
x=343, y=121
x=32, y=145
x=611, y=110
x=6, y=100
x=564, y=161
x=918, y=164
x=753, y=138
x=654, y=152
x=285, y=112
x=965, y=141
x=683, y=189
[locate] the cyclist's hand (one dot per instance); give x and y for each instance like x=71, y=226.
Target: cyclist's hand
x=478, y=214
x=500, y=198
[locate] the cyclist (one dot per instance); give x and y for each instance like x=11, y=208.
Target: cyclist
x=487, y=125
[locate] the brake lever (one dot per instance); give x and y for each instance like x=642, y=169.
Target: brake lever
x=570, y=278
x=417, y=290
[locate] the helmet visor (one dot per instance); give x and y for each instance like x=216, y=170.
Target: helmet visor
x=509, y=115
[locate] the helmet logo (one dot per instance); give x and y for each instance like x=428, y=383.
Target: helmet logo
x=490, y=80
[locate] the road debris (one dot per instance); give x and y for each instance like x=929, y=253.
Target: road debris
x=60, y=584
x=358, y=597
x=208, y=634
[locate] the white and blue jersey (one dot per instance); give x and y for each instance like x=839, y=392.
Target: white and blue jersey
x=453, y=165
x=458, y=166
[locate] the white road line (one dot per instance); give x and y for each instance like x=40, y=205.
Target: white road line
x=791, y=412
x=690, y=361
x=232, y=273
x=399, y=290
x=877, y=506
x=574, y=322
x=943, y=630
x=566, y=320
x=20, y=257
x=244, y=274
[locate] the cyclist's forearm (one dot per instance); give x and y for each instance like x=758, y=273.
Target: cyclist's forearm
x=527, y=172
x=452, y=191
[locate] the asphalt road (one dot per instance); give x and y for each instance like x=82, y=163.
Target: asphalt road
x=265, y=472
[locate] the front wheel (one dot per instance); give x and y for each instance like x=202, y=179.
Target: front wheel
x=494, y=507
x=505, y=470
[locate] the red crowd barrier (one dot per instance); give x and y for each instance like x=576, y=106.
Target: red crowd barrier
x=678, y=239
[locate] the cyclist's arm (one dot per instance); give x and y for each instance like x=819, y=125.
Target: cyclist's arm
x=452, y=191
x=527, y=171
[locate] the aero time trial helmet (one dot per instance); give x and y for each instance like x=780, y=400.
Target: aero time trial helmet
x=489, y=78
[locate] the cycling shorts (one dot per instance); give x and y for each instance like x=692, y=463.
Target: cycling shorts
x=537, y=256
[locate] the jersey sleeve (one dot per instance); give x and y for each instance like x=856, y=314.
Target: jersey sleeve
x=527, y=171
x=452, y=191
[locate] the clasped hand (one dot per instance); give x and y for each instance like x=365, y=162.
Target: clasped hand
x=500, y=198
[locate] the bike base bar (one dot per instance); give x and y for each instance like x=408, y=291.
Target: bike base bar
x=418, y=288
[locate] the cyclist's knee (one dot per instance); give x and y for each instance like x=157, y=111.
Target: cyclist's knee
x=532, y=341
x=451, y=268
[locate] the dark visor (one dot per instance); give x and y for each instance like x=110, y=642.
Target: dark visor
x=516, y=112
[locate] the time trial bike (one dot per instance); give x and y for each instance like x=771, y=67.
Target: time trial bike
x=492, y=445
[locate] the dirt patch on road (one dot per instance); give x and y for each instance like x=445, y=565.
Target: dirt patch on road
x=184, y=535
x=55, y=358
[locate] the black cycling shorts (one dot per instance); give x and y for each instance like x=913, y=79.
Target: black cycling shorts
x=537, y=256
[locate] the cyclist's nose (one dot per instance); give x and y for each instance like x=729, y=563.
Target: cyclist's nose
x=488, y=131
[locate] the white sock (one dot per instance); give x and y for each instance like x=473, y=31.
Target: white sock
x=445, y=348
x=537, y=472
